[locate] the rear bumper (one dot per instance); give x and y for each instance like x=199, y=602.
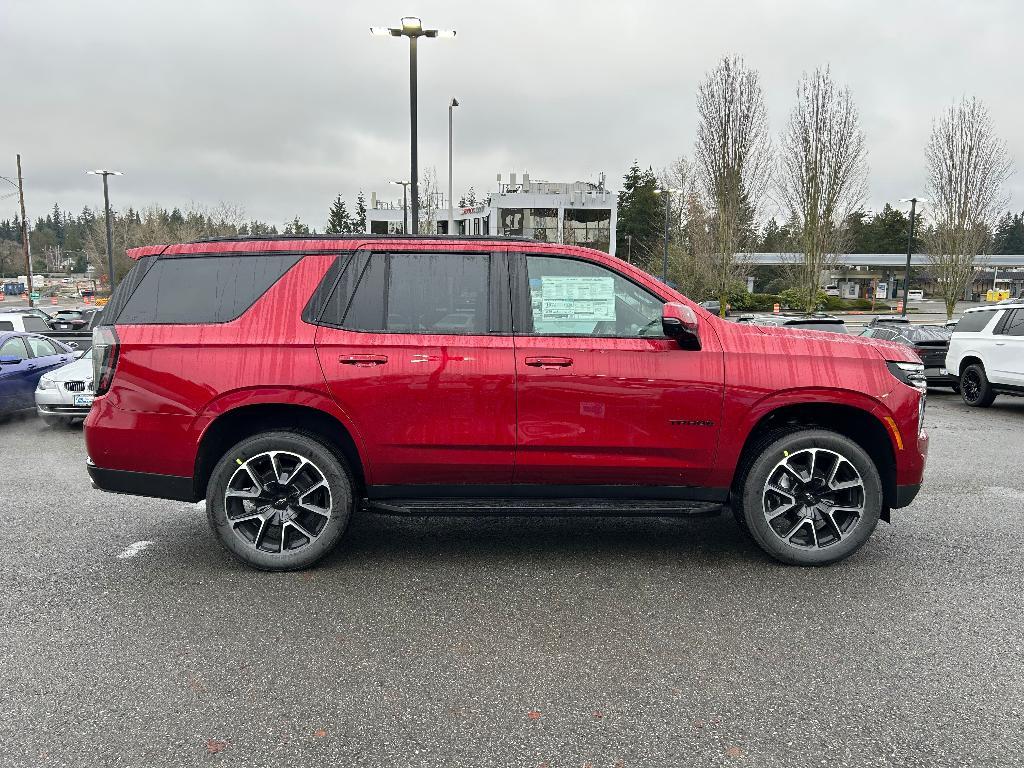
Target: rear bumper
x=905, y=495
x=142, y=483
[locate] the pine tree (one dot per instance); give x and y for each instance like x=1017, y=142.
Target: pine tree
x=1009, y=234
x=338, y=220
x=296, y=227
x=641, y=213
x=359, y=222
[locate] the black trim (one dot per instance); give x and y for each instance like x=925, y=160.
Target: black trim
x=905, y=495
x=142, y=484
x=1007, y=389
x=361, y=236
x=321, y=295
x=532, y=491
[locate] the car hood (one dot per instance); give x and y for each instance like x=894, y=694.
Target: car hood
x=841, y=344
x=80, y=370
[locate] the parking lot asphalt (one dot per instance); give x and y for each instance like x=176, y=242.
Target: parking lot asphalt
x=511, y=641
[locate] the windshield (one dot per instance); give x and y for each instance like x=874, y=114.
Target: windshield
x=918, y=333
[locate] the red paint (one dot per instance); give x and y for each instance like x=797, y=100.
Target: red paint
x=487, y=409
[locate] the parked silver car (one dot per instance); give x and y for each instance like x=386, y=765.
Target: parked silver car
x=65, y=394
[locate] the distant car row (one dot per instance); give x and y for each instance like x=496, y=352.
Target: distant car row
x=37, y=373
x=36, y=320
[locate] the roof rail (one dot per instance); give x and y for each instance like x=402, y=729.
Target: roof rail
x=364, y=236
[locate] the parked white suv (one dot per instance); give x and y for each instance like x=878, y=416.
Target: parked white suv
x=987, y=352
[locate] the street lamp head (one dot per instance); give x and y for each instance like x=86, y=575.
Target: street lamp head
x=380, y=31
x=411, y=25
x=913, y=200
x=101, y=172
x=399, y=183
x=448, y=34
x=455, y=103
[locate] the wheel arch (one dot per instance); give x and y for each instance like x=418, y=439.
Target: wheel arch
x=862, y=426
x=970, y=359
x=230, y=426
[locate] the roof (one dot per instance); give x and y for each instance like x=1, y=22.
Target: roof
x=267, y=243
x=994, y=307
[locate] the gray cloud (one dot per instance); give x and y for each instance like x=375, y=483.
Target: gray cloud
x=277, y=106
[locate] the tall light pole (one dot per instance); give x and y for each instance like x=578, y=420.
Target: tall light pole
x=910, y=247
x=24, y=230
x=110, y=233
x=451, y=205
x=412, y=28
x=667, y=196
x=405, y=205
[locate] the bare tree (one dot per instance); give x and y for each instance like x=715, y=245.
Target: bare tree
x=822, y=177
x=733, y=160
x=430, y=201
x=967, y=167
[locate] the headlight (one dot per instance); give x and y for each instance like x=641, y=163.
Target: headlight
x=46, y=383
x=911, y=374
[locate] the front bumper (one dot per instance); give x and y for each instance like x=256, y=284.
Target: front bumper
x=60, y=402
x=905, y=495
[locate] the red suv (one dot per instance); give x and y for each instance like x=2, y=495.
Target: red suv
x=287, y=381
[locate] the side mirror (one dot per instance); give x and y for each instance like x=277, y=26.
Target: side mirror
x=679, y=322
x=9, y=360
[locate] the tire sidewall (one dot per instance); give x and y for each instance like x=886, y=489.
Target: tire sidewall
x=338, y=479
x=753, y=503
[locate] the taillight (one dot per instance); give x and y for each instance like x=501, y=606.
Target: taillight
x=105, y=348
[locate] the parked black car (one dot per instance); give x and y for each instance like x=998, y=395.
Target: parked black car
x=888, y=320
x=71, y=320
x=931, y=342
x=812, y=322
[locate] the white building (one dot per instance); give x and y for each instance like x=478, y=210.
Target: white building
x=575, y=213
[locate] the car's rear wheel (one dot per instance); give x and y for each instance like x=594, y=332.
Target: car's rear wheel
x=975, y=388
x=811, y=497
x=280, y=501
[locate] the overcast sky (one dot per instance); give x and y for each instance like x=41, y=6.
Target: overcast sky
x=276, y=106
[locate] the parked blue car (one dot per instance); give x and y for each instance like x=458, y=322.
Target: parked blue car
x=24, y=358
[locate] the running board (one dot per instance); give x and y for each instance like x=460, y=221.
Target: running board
x=518, y=506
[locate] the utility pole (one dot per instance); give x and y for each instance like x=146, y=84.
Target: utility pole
x=910, y=247
x=451, y=205
x=24, y=234
x=110, y=235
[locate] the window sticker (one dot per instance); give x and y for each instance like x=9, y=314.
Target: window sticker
x=577, y=299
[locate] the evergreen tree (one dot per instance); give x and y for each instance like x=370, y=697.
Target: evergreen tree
x=338, y=220
x=359, y=222
x=1009, y=234
x=296, y=227
x=640, y=213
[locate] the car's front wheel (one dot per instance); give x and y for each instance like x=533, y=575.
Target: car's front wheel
x=975, y=388
x=811, y=497
x=280, y=501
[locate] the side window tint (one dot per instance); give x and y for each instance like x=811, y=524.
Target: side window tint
x=576, y=298
x=14, y=347
x=6, y=325
x=366, y=310
x=202, y=289
x=41, y=347
x=438, y=293
x=33, y=323
x=973, y=322
x=1015, y=324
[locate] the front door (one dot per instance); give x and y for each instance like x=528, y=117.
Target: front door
x=604, y=398
x=416, y=348
x=17, y=376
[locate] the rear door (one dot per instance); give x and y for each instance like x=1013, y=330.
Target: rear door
x=604, y=398
x=1008, y=349
x=416, y=348
x=46, y=355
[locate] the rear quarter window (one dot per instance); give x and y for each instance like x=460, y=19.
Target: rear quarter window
x=202, y=289
x=973, y=322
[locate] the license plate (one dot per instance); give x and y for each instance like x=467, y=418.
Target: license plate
x=83, y=400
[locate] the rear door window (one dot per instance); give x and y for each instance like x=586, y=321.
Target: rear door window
x=33, y=323
x=1014, y=325
x=6, y=325
x=202, y=289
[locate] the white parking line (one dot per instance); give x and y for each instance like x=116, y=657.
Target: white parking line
x=134, y=549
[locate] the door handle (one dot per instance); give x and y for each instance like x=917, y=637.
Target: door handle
x=1000, y=343
x=549, y=362
x=363, y=360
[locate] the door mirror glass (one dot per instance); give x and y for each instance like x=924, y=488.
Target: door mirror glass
x=679, y=322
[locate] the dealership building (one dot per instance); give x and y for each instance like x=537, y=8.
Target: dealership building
x=574, y=213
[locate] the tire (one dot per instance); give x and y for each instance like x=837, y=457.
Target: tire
x=280, y=501
x=823, y=517
x=974, y=387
